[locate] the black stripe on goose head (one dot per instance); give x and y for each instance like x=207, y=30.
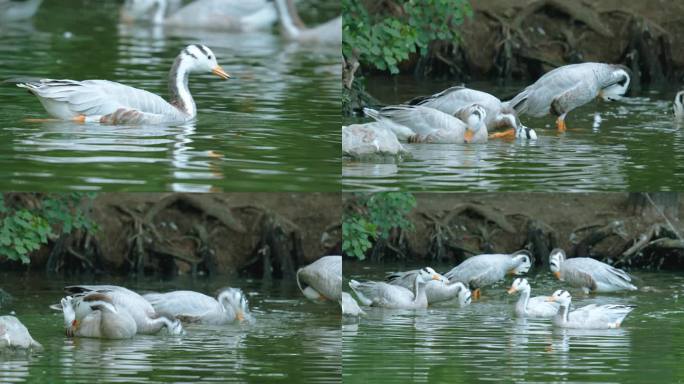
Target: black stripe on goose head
x=205, y=50
x=187, y=52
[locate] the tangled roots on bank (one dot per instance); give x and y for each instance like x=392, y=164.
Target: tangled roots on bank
x=189, y=234
x=639, y=239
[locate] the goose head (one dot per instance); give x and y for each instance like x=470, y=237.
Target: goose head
x=474, y=117
x=521, y=262
x=199, y=58
x=464, y=295
x=525, y=133
x=679, y=105
x=561, y=297
x=233, y=300
x=428, y=274
x=519, y=285
x=556, y=258
x=618, y=84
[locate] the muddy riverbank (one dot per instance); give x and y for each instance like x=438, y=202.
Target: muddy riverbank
x=621, y=228
x=149, y=233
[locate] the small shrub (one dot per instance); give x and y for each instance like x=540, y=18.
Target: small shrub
x=368, y=218
x=382, y=39
x=29, y=221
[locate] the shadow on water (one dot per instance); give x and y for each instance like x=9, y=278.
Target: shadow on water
x=273, y=126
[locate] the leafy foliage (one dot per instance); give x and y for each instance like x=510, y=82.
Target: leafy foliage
x=28, y=222
x=384, y=38
x=372, y=217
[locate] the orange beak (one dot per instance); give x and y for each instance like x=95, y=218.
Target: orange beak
x=436, y=277
x=550, y=298
x=240, y=316
x=218, y=71
x=75, y=324
x=511, y=290
x=557, y=274
x=468, y=135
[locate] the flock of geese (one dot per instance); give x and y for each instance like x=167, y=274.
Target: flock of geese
x=108, y=102
x=460, y=115
x=419, y=288
x=114, y=312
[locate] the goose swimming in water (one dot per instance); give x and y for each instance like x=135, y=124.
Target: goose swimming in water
x=194, y=307
x=328, y=32
x=114, y=103
x=94, y=314
x=568, y=87
x=322, y=279
x=483, y=270
x=12, y=10
x=370, y=139
x=381, y=294
x=419, y=124
x=227, y=15
x=146, y=319
x=527, y=306
x=589, y=274
x=436, y=291
x=679, y=106
x=588, y=317
x=15, y=336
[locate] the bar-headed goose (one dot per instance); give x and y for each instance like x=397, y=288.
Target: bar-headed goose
x=436, y=290
x=194, y=307
x=151, y=11
x=146, y=319
x=589, y=274
x=381, y=294
x=350, y=307
x=322, y=279
x=328, y=32
x=114, y=103
x=227, y=15
x=500, y=116
x=679, y=106
x=568, y=87
x=588, y=317
x=12, y=10
x=15, y=336
x=370, y=139
x=94, y=314
x=483, y=270
x=527, y=306
x=419, y=124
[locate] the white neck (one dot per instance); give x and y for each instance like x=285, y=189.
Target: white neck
x=159, y=13
x=524, y=299
x=286, y=23
x=419, y=291
x=178, y=86
x=564, y=313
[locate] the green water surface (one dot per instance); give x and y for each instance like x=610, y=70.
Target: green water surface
x=273, y=127
x=635, y=146
x=484, y=342
x=291, y=340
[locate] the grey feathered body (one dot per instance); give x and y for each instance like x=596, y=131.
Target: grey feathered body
x=570, y=85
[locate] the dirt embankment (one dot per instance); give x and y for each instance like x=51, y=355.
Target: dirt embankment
x=624, y=228
x=526, y=38
x=252, y=233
